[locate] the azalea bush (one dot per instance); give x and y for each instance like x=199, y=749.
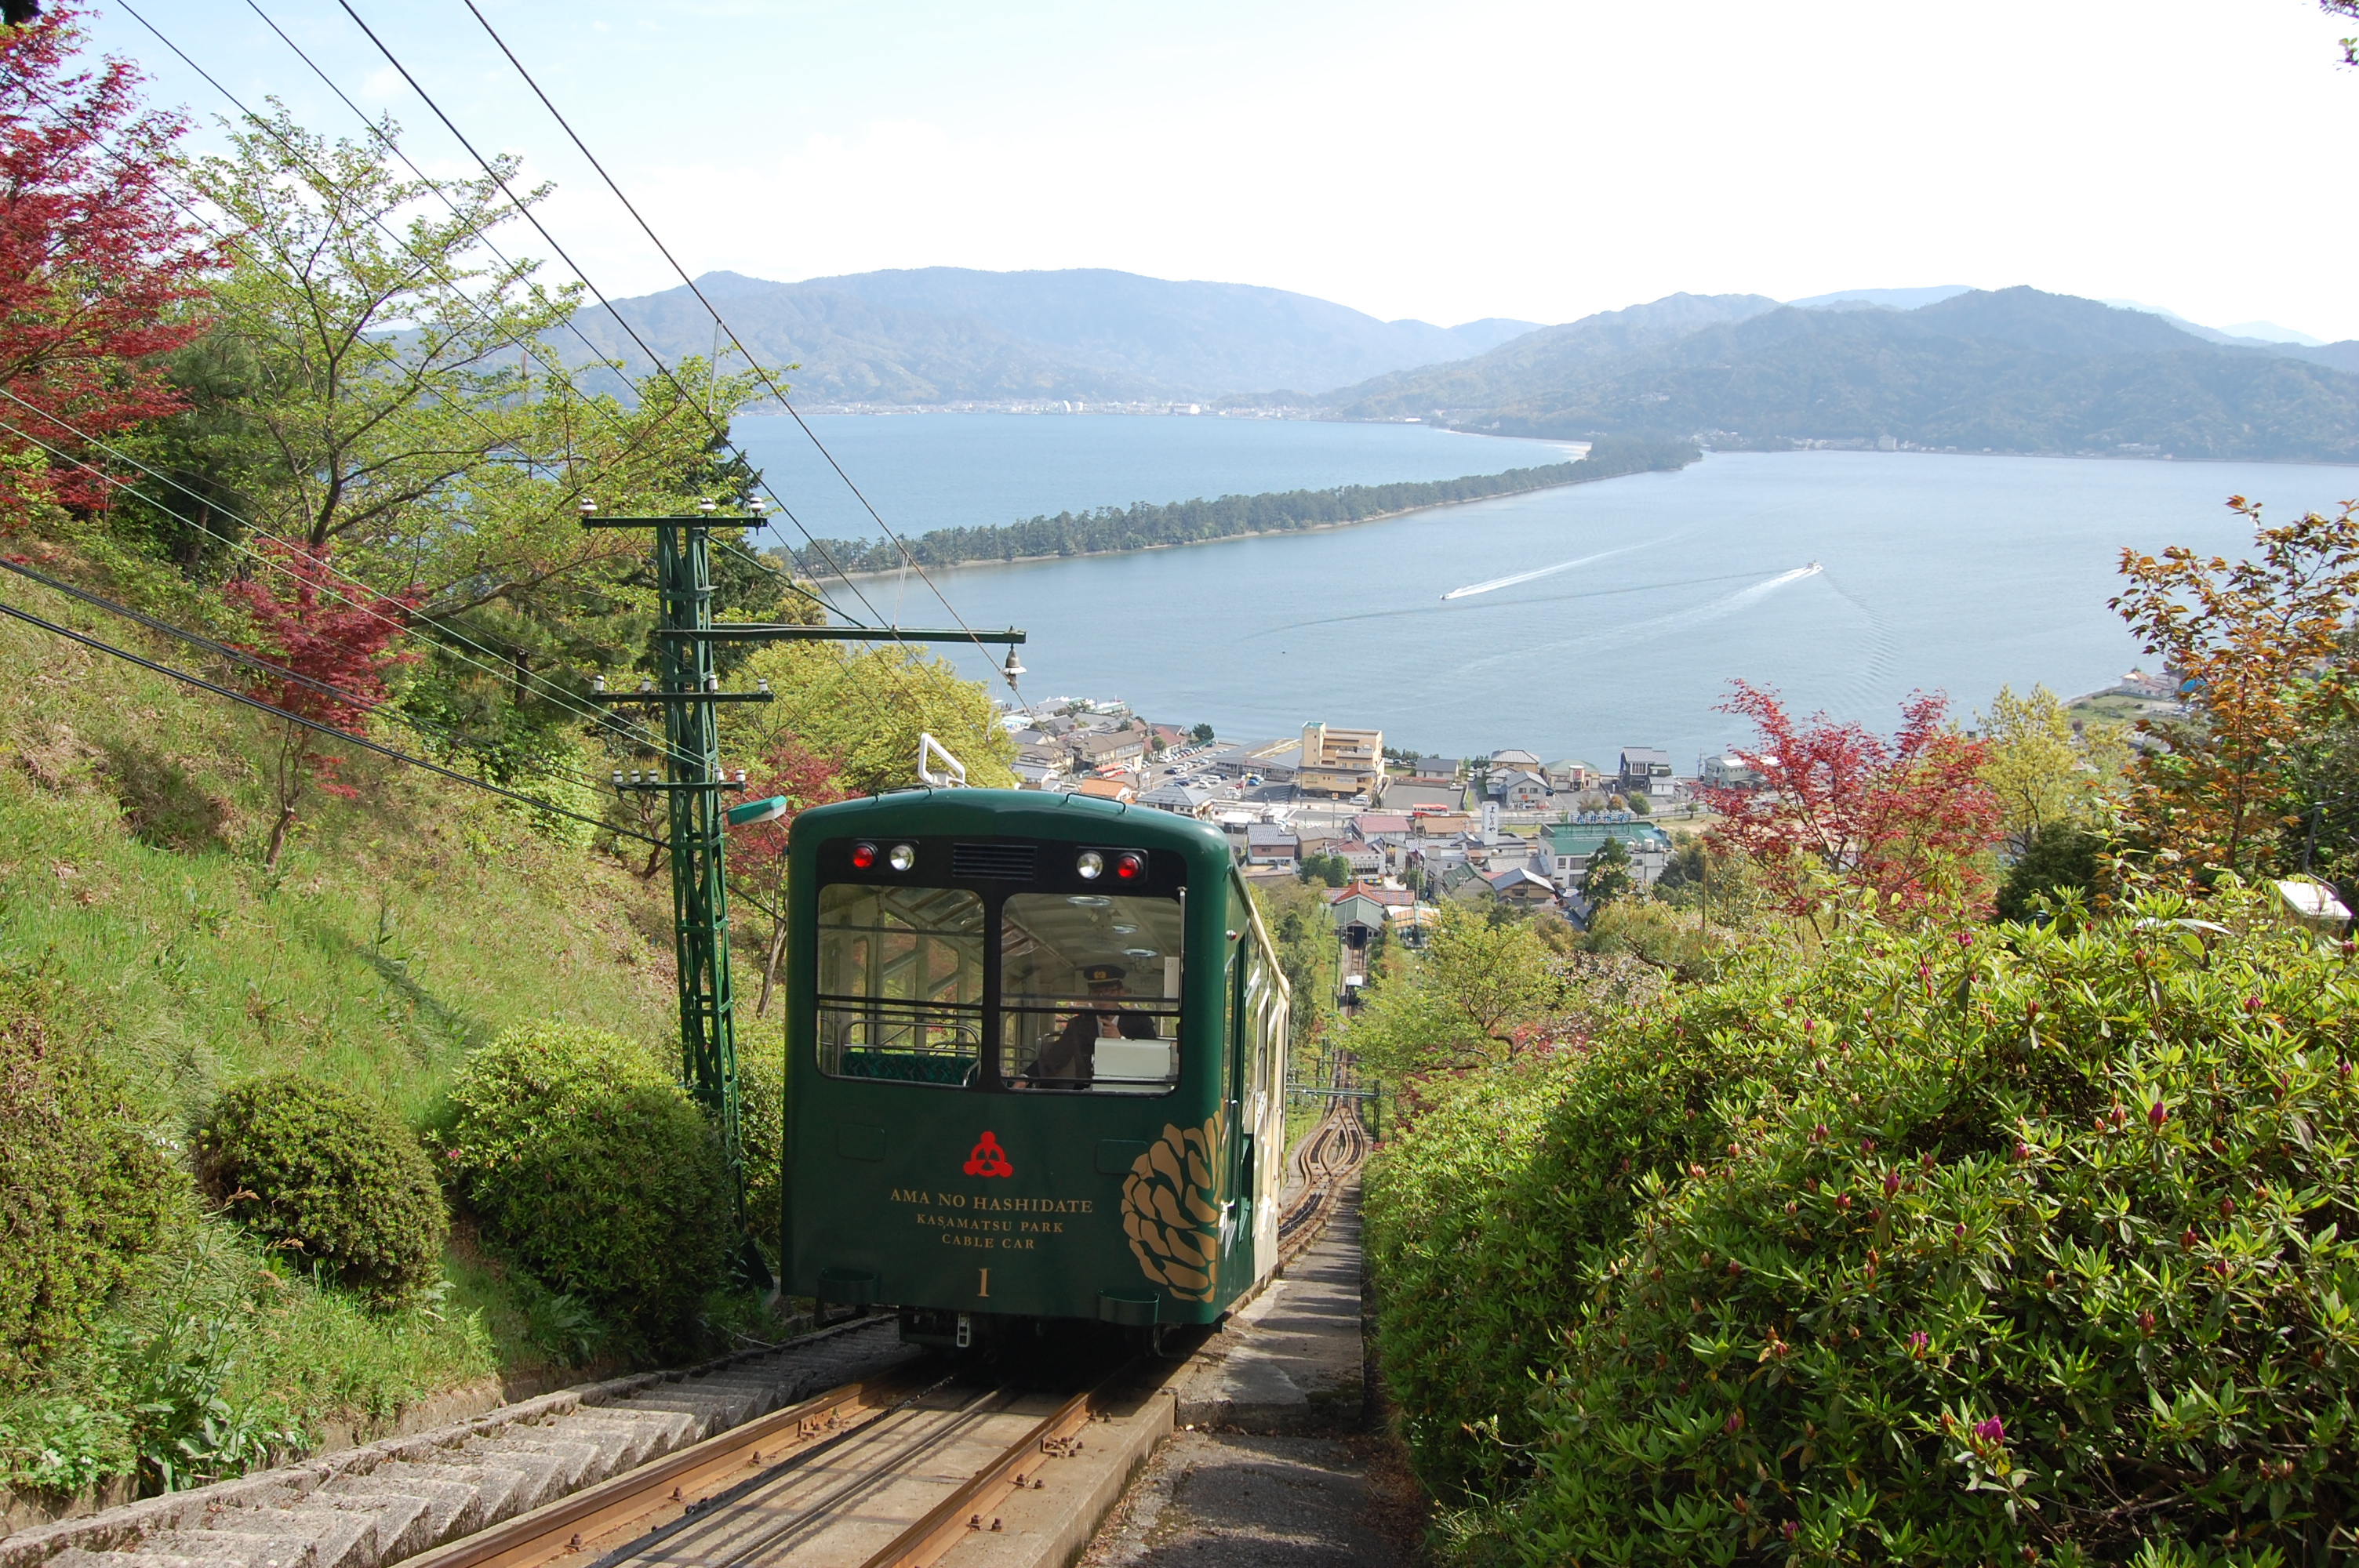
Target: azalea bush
x=1931, y=1248
x=590, y=1168
x=329, y=1178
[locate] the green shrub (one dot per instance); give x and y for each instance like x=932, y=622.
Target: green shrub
x=761, y=1130
x=2061, y=857
x=594, y=1173
x=333, y=1178
x=85, y=1191
x=1977, y=1254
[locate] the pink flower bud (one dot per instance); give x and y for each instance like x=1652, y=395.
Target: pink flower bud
x=1735, y=1421
x=2252, y=1004
x=1991, y=1430
x=2158, y=1116
x=1891, y=1183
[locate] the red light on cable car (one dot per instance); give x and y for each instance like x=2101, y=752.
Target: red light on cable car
x=1129, y=868
x=863, y=857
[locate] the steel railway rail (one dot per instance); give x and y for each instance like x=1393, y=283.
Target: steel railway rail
x=885, y=1473
x=1328, y=1155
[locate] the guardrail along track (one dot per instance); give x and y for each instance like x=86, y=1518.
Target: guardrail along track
x=482, y=1488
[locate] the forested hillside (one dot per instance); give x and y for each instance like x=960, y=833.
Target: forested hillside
x=2014, y=369
x=938, y=335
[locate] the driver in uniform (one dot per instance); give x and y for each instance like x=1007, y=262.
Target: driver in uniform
x=1069, y=1061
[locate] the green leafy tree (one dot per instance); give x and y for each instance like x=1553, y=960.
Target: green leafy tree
x=2043, y=771
x=867, y=709
x=1479, y=993
x=1202, y=734
x=373, y=385
x=2061, y=857
x=1609, y=876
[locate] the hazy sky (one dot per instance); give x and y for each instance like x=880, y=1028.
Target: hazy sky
x=1421, y=160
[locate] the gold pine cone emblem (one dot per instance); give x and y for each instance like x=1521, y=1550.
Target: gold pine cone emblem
x=1171, y=1209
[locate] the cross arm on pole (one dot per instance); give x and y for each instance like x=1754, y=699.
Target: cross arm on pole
x=754, y=632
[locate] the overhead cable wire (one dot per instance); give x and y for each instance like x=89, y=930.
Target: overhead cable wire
x=446, y=634
x=425, y=729
x=564, y=700
x=573, y=490
x=292, y=718
x=555, y=367
x=564, y=255
x=762, y=374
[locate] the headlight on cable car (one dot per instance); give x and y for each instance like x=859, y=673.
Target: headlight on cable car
x=903, y=857
x=1129, y=868
x=1090, y=864
x=863, y=856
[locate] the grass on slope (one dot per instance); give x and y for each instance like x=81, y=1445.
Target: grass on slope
x=399, y=931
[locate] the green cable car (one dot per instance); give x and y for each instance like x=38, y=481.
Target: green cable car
x=1035, y=1065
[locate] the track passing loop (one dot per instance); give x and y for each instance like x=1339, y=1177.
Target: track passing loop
x=1326, y=1159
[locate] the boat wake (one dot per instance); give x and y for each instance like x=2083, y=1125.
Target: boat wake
x=1471, y=588
x=1657, y=625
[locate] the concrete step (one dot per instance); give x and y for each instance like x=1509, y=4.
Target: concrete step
x=647, y=1434
x=574, y=1464
x=446, y=1507
x=375, y=1506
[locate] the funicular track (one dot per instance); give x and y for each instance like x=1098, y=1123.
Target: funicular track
x=897, y=1460
x=1323, y=1164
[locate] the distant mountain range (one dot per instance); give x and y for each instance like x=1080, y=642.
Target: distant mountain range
x=942, y=335
x=2005, y=370
x=2010, y=370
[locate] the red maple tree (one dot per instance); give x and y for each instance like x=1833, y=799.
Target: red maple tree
x=1906, y=818
x=97, y=267
x=756, y=855
x=326, y=636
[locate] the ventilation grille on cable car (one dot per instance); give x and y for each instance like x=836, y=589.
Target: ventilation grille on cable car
x=1005, y=862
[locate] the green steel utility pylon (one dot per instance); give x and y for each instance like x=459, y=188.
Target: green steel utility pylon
x=689, y=690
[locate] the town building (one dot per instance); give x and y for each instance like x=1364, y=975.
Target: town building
x=1572, y=776
x=1107, y=789
x=1270, y=844
x=1093, y=749
x=1646, y=770
x=1522, y=791
x=1186, y=800
x=1562, y=850
x=1730, y=770
x=1341, y=762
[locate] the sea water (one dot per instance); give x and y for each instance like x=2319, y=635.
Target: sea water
x=1574, y=621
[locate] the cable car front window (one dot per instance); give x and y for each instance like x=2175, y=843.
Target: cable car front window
x=1089, y=988
x=900, y=983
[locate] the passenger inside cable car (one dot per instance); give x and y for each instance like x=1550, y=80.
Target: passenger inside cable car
x=1070, y=1062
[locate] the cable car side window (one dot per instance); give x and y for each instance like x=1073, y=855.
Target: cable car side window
x=900, y=983
x=1088, y=993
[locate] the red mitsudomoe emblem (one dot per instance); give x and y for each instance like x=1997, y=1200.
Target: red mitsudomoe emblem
x=989, y=1159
